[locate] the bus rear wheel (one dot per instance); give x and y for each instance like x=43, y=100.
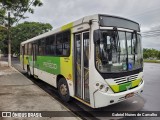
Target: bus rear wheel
x=63, y=90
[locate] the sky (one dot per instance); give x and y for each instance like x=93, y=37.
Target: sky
x=60, y=12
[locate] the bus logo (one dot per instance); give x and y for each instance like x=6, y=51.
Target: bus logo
x=50, y=65
x=128, y=79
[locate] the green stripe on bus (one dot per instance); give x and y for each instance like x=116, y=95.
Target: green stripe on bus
x=125, y=86
x=48, y=64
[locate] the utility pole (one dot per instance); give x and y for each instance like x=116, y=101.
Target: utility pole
x=9, y=42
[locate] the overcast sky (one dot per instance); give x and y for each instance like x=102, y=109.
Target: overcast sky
x=60, y=12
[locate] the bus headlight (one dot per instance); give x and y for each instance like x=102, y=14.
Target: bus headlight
x=106, y=89
x=102, y=87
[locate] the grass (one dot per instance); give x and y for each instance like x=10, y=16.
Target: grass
x=152, y=61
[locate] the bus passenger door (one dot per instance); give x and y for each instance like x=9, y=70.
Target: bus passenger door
x=82, y=66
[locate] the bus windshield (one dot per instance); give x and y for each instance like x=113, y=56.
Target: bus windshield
x=118, y=51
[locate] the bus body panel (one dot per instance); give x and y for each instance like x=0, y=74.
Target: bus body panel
x=47, y=68
x=108, y=99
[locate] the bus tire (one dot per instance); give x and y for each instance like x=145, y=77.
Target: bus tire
x=28, y=72
x=63, y=90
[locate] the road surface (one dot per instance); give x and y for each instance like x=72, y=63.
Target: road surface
x=149, y=101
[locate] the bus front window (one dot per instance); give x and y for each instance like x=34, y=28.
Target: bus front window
x=118, y=51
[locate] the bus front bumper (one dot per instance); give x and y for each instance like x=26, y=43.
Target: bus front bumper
x=102, y=99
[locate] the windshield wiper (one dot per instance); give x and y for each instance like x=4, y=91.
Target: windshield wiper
x=117, y=42
x=135, y=44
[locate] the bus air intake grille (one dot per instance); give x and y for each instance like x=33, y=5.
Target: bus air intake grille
x=126, y=79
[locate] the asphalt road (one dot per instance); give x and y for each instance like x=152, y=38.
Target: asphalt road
x=151, y=93
x=149, y=101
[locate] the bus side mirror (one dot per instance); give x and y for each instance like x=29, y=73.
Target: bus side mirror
x=97, y=36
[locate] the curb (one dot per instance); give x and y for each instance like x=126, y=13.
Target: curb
x=77, y=117
x=3, y=64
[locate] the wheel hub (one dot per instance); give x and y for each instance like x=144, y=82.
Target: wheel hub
x=63, y=89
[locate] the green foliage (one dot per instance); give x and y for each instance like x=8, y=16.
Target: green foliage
x=17, y=8
x=2, y=14
x=26, y=31
x=3, y=39
x=152, y=61
x=151, y=53
x=158, y=55
x=3, y=33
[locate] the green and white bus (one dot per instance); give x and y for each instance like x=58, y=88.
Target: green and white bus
x=97, y=59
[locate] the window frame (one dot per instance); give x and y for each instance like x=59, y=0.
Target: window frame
x=55, y=39
x=127, y=71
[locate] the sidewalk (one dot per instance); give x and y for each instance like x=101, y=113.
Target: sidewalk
x=18, y=93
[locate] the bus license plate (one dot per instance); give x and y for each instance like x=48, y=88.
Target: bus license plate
x=129, y=95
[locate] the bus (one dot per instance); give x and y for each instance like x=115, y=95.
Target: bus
x=97, y=59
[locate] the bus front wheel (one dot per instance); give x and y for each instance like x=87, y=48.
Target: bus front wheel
x=63, y=90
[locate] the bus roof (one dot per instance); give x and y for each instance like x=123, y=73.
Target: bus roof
x=75, y=23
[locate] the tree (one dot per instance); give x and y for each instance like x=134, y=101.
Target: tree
x=26, y=31
x=3, y=39
x=3, y=33
x=17, y=8
x=158, y=55
x=145, y=55
x=151, y=53
x=2, y=14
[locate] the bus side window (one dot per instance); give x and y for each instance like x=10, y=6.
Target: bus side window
x=26, y=49
x=39, y=48
x=66, y=43
x=30, y=49
x=52, y=45
x=47, y=48
x=42, y=46
x=59, y=40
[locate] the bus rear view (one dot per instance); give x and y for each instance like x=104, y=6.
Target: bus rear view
x=118, y=60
